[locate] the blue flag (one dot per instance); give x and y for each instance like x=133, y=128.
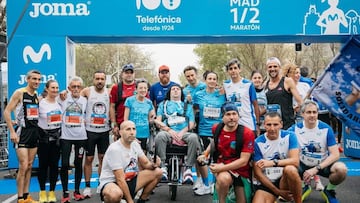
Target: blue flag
x=339, y=86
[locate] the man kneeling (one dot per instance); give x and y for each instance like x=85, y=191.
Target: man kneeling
x=120, y=177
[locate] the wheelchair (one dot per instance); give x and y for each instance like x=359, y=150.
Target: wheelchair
x=175, y=162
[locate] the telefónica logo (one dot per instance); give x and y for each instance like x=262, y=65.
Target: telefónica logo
x=59, y=9
x=154, y=4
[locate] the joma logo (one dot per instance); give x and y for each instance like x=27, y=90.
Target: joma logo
x=59, y=9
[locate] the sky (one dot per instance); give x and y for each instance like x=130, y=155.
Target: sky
x=176, y=56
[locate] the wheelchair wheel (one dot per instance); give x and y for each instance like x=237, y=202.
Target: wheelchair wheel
x=172, y=192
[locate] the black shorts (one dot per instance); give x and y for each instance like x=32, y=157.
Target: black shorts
x=261, y=187
x=131, y=184
x=101, y=140
x=29, y=137
x=325, y=172
x=237, y=181
x=205, y=141
x=143, y=143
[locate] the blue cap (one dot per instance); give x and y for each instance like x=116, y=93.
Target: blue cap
x=128, y=67
x=229, y=107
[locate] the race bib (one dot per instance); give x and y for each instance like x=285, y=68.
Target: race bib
x=97, y=120
x=72, y=119
x=173, y=120
x=311, y=159
x=210, y=112
x=54, y=118
x=274, y=173
x=32, y=111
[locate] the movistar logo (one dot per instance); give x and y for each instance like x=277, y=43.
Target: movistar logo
x=59, y=9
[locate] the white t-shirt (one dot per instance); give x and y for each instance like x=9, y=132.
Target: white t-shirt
x=119, y=157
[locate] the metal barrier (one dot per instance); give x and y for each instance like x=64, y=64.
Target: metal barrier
x=4, y=153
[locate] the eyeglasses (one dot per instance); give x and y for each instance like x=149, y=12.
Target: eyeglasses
x=75, y=86
x=273, y=66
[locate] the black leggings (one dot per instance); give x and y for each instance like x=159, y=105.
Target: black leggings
x=49, y=155
x=66, y=146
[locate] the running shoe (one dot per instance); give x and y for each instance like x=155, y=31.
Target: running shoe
x=87, y=192
x=306, y=190
x=198, y=184
x=43, y=197
x=78, y=197
x=52, y=197
x=187, y=177
x=203, y=190
x=329, y=195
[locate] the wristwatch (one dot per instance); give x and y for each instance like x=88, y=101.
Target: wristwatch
x=276, y=162
x=318, y=167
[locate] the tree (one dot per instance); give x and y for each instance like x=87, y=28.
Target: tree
x=111, y=58
x=253, y=56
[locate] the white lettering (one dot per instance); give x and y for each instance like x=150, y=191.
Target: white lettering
x=353, y=144
x=44, y=78
x=158, y=19
x=245, y=27
x=36, y=57
x=59, y=9
x=240, y=3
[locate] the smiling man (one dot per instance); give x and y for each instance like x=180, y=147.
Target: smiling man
x=319, y=152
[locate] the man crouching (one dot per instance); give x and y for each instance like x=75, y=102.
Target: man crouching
x=120, y=176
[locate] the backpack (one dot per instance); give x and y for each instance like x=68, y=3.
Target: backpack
x=119, y=94
x=248, y=184
x=239, y=139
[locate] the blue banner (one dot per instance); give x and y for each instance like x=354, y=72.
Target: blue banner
x=186, y=18
x=339, y=87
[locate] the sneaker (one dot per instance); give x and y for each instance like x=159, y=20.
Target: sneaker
x=65, y=199
x=329, y=195
x=319, y=186
x=78, y=196
x=52, y=196
x=42, y=196
x=87, y=192
x=187, y=177
x=164, y=177
x=198, y=184
x=203, y=190
x=306, y=190
x=30, y=200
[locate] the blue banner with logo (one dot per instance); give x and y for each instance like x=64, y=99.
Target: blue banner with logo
x=203, y=18
x=339, y=87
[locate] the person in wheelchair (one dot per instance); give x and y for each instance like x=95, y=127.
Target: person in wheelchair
x=175, y=118
x=231, y=150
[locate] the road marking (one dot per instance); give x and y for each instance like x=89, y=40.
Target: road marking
x=9, y=200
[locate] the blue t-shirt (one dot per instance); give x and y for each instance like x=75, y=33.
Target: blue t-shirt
x=193, y=90
x=209, y=105
x=307, y=80
x=275, y=149
x=158, y=91
x=172, y=114
x=139, y=114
